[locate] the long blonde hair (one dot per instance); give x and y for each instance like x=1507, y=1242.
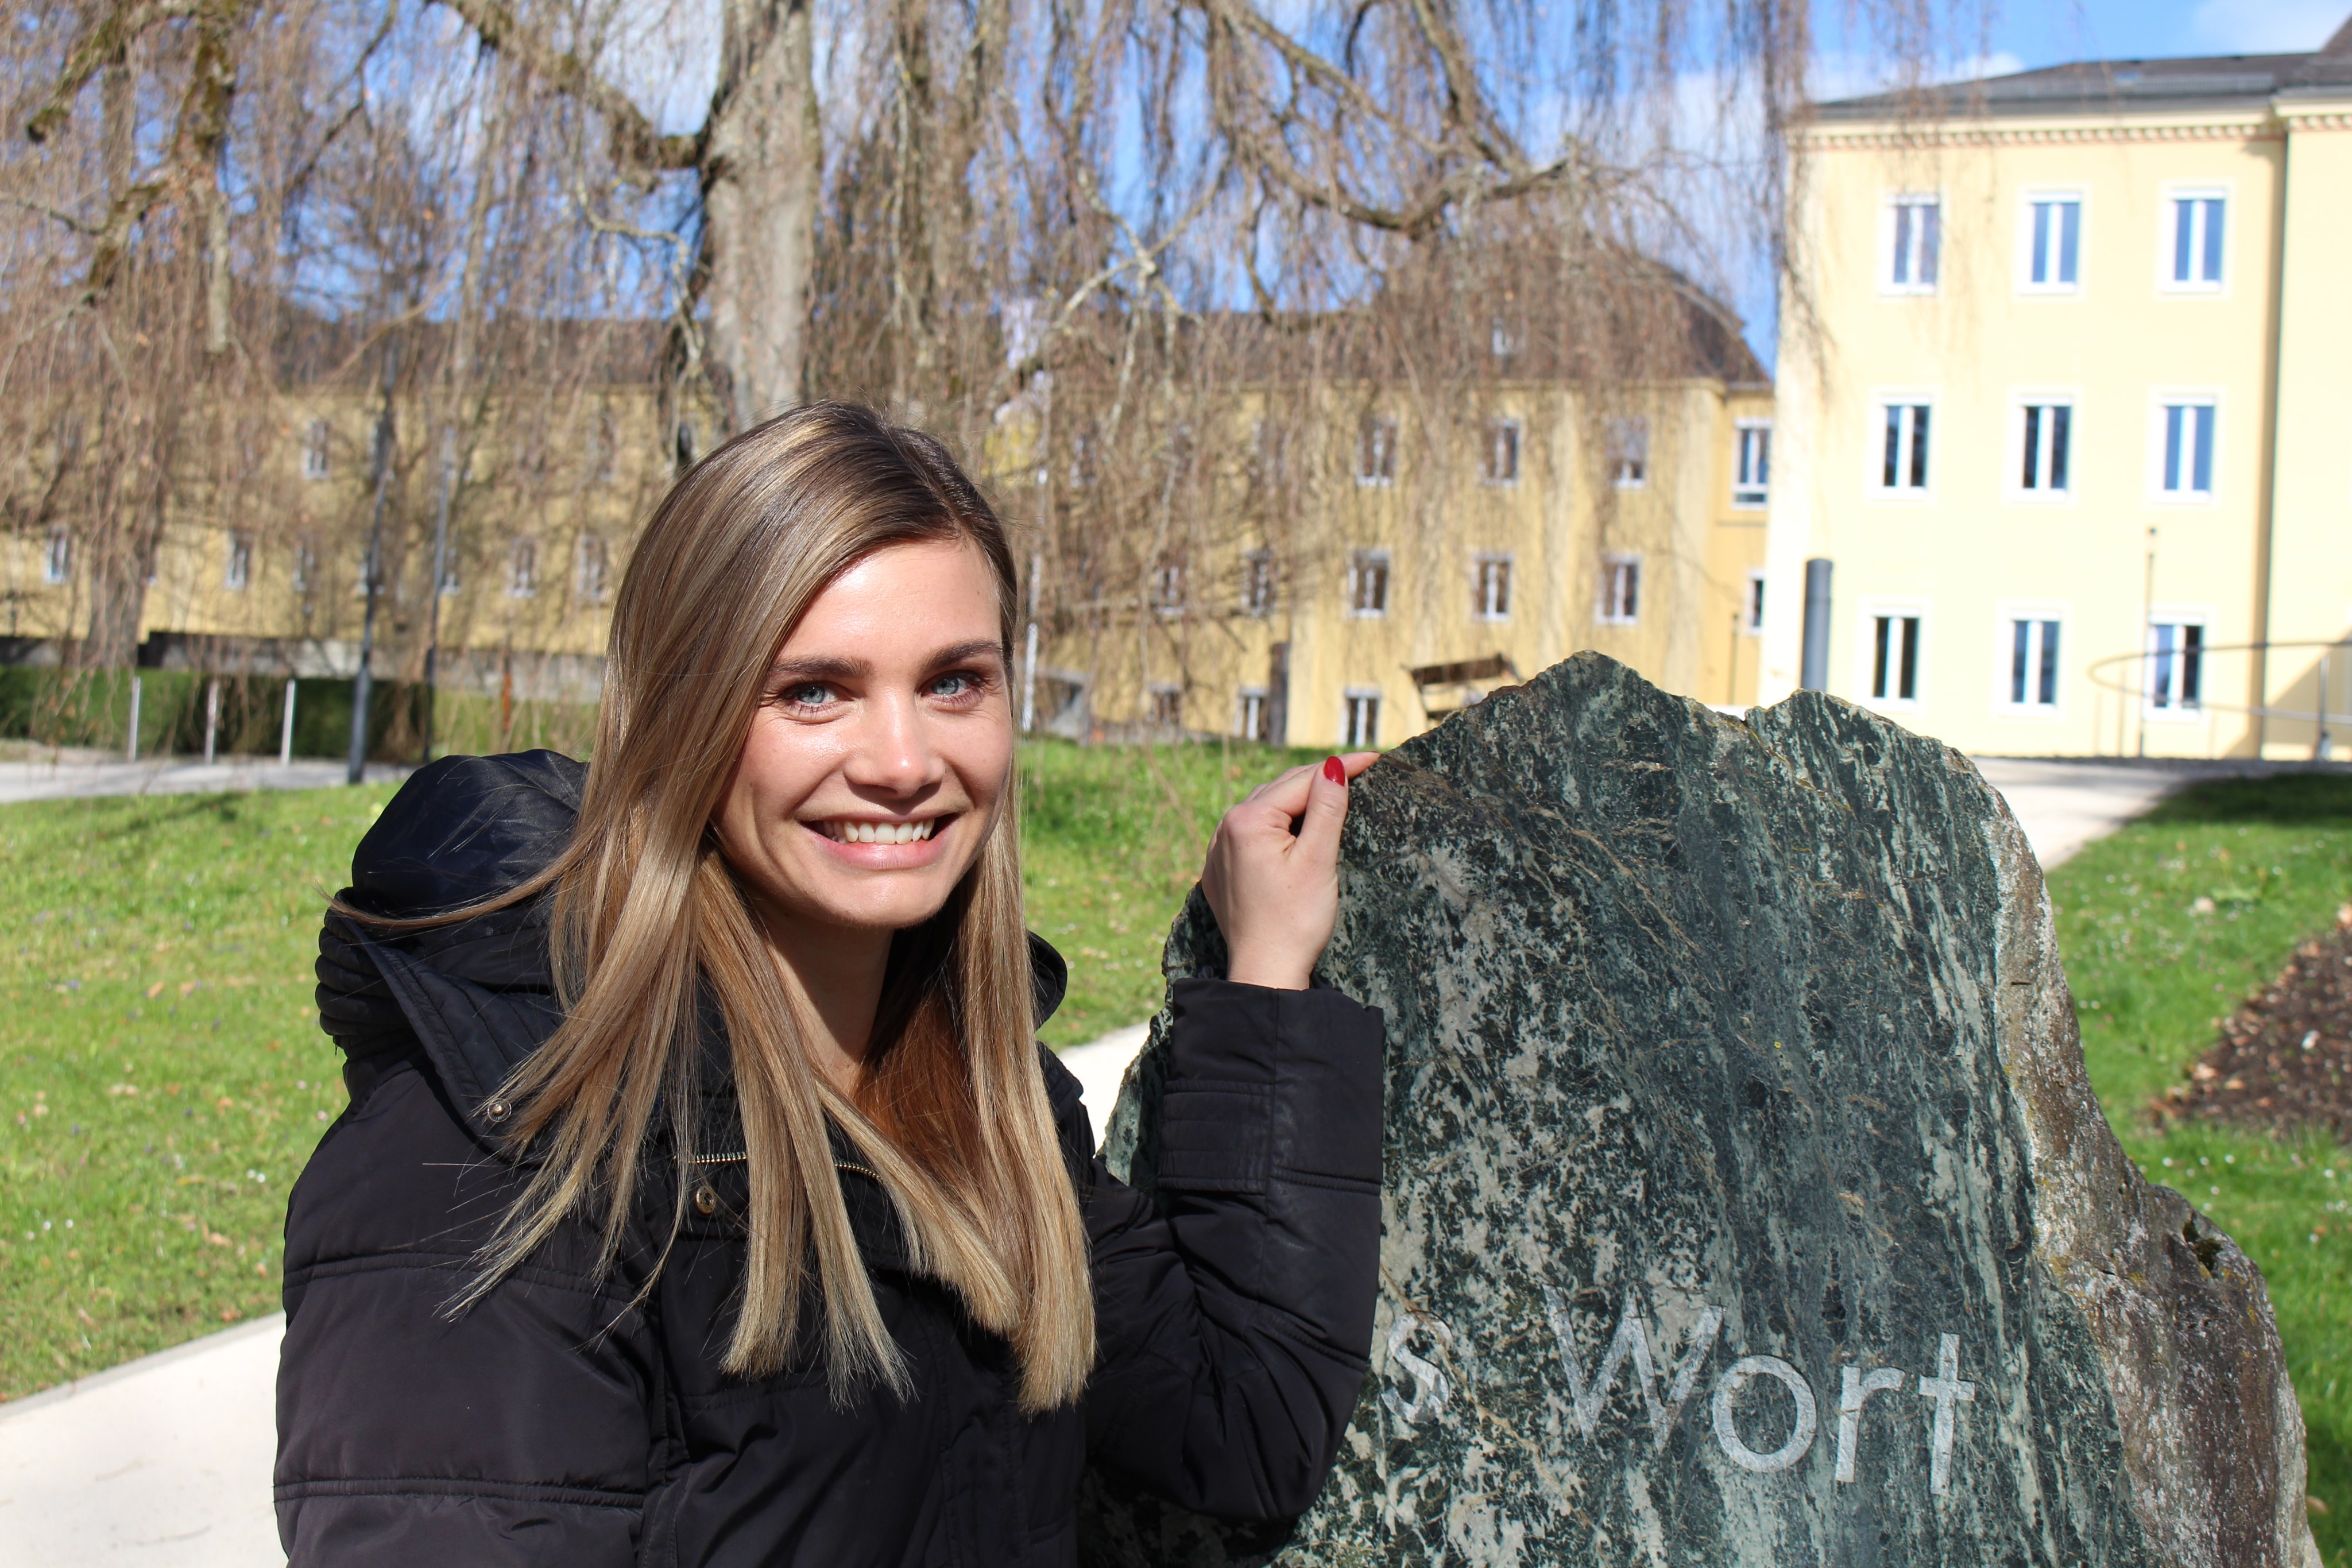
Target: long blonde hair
x=649, y=924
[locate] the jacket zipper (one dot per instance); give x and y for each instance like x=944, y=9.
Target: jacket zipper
x=740, y=1156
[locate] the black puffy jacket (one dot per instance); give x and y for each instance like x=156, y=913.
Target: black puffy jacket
x=553, y=1424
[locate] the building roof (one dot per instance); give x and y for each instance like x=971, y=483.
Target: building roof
x=2106, y=87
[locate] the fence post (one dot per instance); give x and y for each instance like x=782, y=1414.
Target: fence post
x=212, y=717
x=285, y=729
x=130, y=747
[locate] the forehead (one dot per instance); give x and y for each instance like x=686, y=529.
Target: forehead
x=903, y=601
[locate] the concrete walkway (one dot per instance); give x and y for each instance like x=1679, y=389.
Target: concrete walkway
x=164, y=1460
x=72, y=775
x=167, y=1460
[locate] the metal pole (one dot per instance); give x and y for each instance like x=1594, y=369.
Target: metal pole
x=2319, y=750
x=130, y=747
x=285, y=729
x=1814, y=672
x=212, y=719
x=357, y=768
x=1029, y=671
x=2147, y=637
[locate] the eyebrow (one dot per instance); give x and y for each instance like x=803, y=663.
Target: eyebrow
x=822, y=668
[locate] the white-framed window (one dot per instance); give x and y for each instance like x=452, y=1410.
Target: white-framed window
x=2049, y=243
x=2032, y=642
x=1376, y=450
x=237, y=573
x=1359, y=728
x=1751, y=463
x=1168, y=587
x=522, y=569
x=1628, y=453
x=318, y=441
x=1905, y=426
x=57, y=561
x=1501, y=338
x=1168, y=706
x=1368, y=583
x=1894, y=653
x=1620, y=590
x=306, y=563
x=1911, y=243
x=2196, y=239
x=2183, y=445
x=1490, y=588
x=2041, y=461
x=1499, y=455
x=1752, y=619
x=1257, y=582
x=2175, y=667
x=595, y=569
x=1251, y=713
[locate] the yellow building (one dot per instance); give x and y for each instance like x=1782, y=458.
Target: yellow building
x=1440, y=560
x=2066, y=436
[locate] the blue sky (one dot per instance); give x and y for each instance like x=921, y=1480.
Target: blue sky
x=2032, y=35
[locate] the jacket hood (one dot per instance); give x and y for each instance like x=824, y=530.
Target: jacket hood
x=478, y=995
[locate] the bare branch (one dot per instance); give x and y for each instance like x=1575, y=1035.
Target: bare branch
x=635, y=139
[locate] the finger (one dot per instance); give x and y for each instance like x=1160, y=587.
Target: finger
x=1285, y=792
x=1355, y=762
x=1325, y=811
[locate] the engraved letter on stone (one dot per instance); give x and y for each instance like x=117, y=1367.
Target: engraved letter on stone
x=1629, y=1340
x=1859, y=1385
x=1943, y=1388
x=1728, y=1434
x=1430, y=1385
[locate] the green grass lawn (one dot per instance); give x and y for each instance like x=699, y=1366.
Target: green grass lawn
x=162, y=1073
x=2152, y=972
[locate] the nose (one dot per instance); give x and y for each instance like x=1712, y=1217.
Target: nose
x=893, y=753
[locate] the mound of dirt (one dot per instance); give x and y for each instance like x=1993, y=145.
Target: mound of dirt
x=2284, y=1059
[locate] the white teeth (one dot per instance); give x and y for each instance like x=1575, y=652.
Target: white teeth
x=879, y=832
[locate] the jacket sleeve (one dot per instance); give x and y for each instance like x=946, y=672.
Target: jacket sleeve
x=518, y=1433
x=1235, y=1322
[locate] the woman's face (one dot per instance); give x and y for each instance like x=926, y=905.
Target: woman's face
x=882, y=745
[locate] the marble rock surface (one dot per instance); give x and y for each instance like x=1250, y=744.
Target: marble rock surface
x=1745, y=1200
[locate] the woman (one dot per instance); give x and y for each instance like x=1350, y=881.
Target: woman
x=704, y=1196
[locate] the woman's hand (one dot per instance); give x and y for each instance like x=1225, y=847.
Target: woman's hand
x=1275, y=894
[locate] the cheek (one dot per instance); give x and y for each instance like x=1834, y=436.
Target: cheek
x=782, y=764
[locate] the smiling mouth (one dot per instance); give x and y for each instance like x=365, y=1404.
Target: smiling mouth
x=843, y=831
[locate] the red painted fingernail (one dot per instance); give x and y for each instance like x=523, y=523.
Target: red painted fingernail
x=1333, y=771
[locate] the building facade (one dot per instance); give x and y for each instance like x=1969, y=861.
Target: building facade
x=2062, y=417
x=1442, y=560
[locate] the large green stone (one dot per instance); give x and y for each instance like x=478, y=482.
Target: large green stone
x=1732, y=1076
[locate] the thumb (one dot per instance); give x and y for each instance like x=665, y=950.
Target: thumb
x=1327, y=810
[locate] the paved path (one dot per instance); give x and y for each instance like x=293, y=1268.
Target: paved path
x=166, y=1460
x=73, y=775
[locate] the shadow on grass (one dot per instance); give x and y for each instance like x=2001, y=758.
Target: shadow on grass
x=2283, y=800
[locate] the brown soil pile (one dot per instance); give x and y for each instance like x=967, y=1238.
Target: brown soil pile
x=2284, y=1061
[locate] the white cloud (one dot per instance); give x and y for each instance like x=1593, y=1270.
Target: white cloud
x=2265, y=26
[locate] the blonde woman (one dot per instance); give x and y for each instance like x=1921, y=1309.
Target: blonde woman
x=705, y=1198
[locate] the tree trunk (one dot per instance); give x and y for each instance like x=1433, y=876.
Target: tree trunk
x=760, y=180
x=131, y=493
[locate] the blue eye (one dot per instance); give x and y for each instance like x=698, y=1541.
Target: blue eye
x=813, y=694
x=954, y=685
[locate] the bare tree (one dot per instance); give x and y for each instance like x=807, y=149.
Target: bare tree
x=1128, y=254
